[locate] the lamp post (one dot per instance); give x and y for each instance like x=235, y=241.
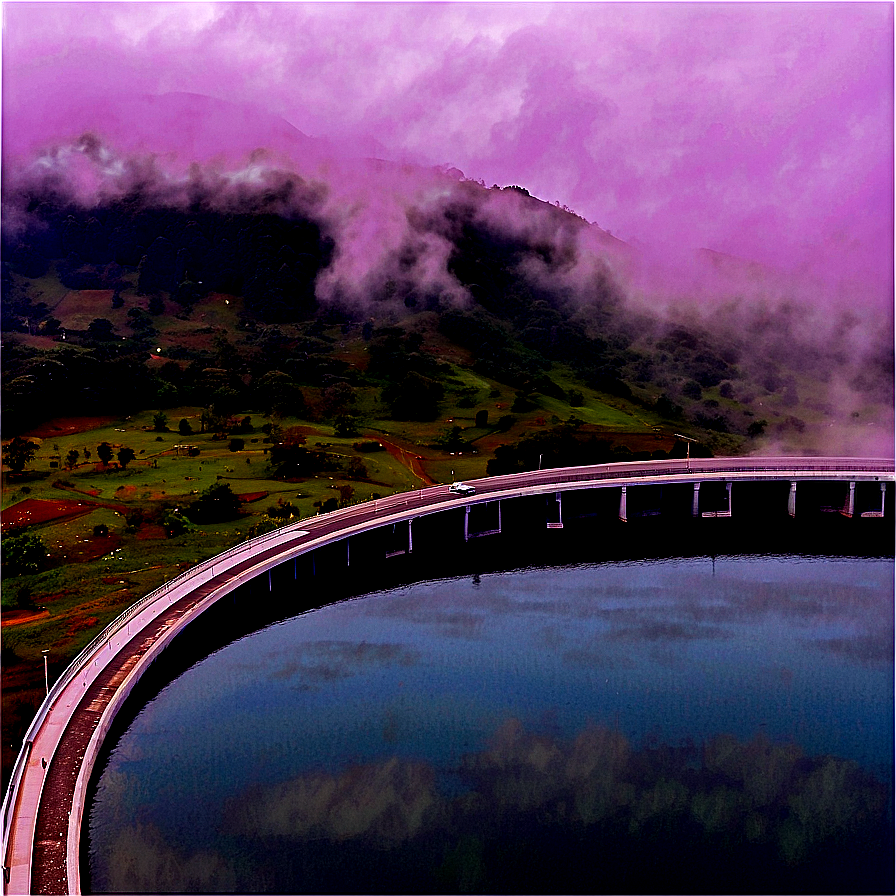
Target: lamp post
x=688, y=440
x=46, y=672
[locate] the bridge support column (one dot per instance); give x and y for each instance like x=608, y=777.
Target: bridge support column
x=883, y=497
x=560, y=508
x=467, y=523
x=791, y=500
x=348, y=553
x=850, y=507
x=695, y=507
x=728, y=489
x=623, y=510
x=410, y=537
x=499, y=516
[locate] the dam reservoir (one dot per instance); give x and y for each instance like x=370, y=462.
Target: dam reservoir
x=604, y=725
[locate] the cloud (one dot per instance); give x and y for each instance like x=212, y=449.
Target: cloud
x=756, y=130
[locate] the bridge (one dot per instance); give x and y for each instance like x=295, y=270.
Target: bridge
x=44, y=805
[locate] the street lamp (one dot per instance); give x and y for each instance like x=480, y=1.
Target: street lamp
x=688, y=440
x=46, y=673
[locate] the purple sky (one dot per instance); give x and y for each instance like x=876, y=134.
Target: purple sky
x=761, y=130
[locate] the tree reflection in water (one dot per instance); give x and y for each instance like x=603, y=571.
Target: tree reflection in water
x=541, y=813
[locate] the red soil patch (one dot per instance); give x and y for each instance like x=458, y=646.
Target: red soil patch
x=85, y=551
x=249, y=497
x=65, y=426
x=22, y=617
x=79, y=625
x=35, y=510
x=414, y=462
x=150, y=532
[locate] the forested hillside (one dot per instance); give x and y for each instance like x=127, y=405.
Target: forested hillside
x=234, y=298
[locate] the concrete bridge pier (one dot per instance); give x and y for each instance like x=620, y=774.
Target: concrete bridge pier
x=883, y=497
x=623, y=511
x=695, y=507
x=550, y=521
x=791, y=500
x=468, y=535
x=849, y=507
x=410, y=536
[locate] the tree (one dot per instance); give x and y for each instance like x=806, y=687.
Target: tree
x=160, y=422
x=101, y=328
x=345, y=426
x=451, y=439
x=184, y=427
x=19, y=453
x=357, y=469
x=757, y=428
x=216, y=504
x=72, y=458
x=346, y=492
x=237, y=444
x=24, y=553
x=104, y=452
x=326, y=506
x=481, y=419
x=415, y=397
x=174, y=523
x=125, y=456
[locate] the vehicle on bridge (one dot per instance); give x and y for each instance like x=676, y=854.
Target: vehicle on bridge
x=460, y=488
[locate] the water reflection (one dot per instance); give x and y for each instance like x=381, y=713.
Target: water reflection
x=612, y=728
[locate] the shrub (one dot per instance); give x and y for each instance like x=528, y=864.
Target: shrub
x=25, y=553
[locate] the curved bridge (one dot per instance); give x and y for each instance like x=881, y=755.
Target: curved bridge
x=44, y=805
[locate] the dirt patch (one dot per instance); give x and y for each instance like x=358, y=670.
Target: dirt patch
x=21, y=617
x=143, y=492
x=151, y=532
x=80, y=625
x=66, y=426
x=92, y=549
x=414, y=462
x=249, y=497
x=35, y=510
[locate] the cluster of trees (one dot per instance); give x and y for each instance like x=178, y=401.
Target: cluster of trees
x=571, y=444
x=524, y=318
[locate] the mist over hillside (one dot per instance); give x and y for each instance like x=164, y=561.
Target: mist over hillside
x=519, y=283
x=304, y=230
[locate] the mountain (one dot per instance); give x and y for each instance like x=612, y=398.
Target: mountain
x=416, y=265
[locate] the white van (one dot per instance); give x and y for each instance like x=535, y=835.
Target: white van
x=459, y=488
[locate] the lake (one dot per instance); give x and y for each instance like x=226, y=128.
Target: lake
x=685, y=724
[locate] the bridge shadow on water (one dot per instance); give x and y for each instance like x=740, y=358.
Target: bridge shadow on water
x=536, y=850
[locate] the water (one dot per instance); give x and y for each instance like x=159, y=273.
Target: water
x=682, y=724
